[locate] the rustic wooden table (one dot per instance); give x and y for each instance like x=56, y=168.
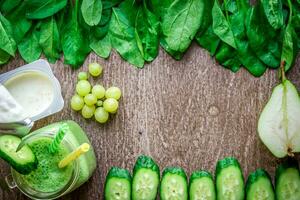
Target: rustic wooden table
x=188, y=113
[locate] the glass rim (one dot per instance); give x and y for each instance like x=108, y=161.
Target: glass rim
x=48, y=195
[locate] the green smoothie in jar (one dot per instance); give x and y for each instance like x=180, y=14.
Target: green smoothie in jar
x=48, y=177
x=49, y=181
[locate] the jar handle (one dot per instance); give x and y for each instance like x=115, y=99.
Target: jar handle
x=10, y=181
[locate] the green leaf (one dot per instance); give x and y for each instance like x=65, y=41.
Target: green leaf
x=122, y=34
x=181, y=23
x=75, y=44
x=102, y=47
x=274, y=12
x=7, y=43
x=100, y=31
x=146, y=33
x=91, y=11
x=209, y=40
x=19, y=22
x=289, y=46
x=29, y=47
x=221, y=26
x=206, y=20
x=39, y=9
x=102, y=28
x=49, y=39
x=205, y=36
x=244, y=52
x=4, y=57
x=263, y=39
x=9, y=5
x=227, y=56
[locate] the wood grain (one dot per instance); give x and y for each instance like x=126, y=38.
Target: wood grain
x=188, y=113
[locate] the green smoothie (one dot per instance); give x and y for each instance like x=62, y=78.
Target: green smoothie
x=48, y=181
x=48, y=177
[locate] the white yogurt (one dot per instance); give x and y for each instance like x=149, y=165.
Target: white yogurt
x=33, y=90
x=10, y=110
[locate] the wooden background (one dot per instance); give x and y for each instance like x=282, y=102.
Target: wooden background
x=187, y=113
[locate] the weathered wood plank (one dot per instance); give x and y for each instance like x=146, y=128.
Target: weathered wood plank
x=189, y=113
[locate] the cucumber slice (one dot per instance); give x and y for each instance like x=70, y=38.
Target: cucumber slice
x=259, y=186
x=145, y=179
x=202, y=186
x=24, y=161
x=118, y=184
x=174, y=184
x=288, y=181
x=229, y=180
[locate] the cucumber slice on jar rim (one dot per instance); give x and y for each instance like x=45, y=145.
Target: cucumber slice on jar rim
x=24, y=161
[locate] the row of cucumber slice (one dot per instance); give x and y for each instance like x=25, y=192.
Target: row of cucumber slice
x=229, y=183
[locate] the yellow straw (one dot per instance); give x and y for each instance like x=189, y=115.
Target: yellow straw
x=74, y=155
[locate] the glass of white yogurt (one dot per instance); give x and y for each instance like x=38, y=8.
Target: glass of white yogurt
x=30, y=91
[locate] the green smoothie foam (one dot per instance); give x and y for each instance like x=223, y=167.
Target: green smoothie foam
x=48, y=177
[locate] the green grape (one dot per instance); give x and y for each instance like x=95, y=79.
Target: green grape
x=111, y=105
x=90, y=99
x=88, y=111
x=82, y=76
x=77, y=102
x=99, y=103
x=83, y=87
x=101, y=115
x=98, y=91
x=95, y=69
x=113, y=92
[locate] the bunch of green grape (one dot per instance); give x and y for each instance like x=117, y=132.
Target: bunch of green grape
x=95, y=100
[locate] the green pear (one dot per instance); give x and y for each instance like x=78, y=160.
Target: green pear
x=279, y=122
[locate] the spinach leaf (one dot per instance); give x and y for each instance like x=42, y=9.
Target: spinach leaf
x=100, y=32
x=122, y=33
x=49, y=39
x=91, y=11
x=175, y=54
x=75, y=44
x=228, y=57
x=8, y=5
x=160, y=7
x=146, y=33
x=181, y=23
x=39, y=9
x=19, y=22
x=206, y=20
x=221, y=26
x=209, y=40
x=245, y=54
x=101, y=47
x=7, y=43
x=101, y=29
x=289, y=47
x=274, y=12
x=205, y=36
x=263, y=38
x=29, y=47
x=4, y=57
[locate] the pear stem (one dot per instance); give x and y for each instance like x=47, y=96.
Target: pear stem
x=290, y=153
x=283, y=77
